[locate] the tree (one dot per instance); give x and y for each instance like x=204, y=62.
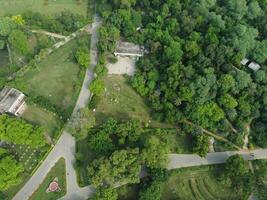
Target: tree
x=6, y=26
x=201, y=145
x=155, y=153
x=2, y=44
x=105, y=194
x=18, y=131
x=19, y=42
x=18, y=20
x=227, y=101
x=83, y=56
x=237, y=171
x=10, y=171
x=81, y=122
x=122, y=166
x=97, y=87
x=152, y=191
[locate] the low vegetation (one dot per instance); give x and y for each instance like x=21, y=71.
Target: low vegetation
x=59, y=172
x=54, y=83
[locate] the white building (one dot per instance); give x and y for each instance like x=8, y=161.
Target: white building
x=129, y=49
x=12, y=101
x=252, y=65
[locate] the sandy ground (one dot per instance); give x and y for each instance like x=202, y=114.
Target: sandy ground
x=125, y=65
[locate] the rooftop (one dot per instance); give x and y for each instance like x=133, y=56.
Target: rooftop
x=129, y=49
x=8, y=96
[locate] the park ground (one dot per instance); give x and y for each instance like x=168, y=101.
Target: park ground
x=58, y=171
x=195, y=183
x=122, y=102
x=42, y=6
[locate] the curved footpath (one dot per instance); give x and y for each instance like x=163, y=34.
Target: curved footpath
x=65, y=147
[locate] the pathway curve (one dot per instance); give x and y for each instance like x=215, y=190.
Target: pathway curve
x=65, y=146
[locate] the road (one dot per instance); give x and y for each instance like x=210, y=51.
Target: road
x=65, y=146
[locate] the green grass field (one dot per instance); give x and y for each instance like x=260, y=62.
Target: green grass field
x=52, y=6
x=57, y=78
x=122, y=102
x=197, y=183
x=39, y=116
x=59, y=171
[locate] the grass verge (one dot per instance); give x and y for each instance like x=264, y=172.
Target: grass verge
x=59, y=171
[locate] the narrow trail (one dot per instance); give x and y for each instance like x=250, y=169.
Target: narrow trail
x=55, y=35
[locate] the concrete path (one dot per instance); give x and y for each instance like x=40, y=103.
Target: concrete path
x=55, y=35
x=65, y=146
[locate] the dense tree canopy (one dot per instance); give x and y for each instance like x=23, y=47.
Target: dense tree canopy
x=10, y=170
x=192, y=69
x=18, y=131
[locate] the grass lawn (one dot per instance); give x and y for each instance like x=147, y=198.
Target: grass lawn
x=51, y=7
x=197, y=183
x=59, y=171
x=57, y=78
x=122, y=102
x=39, y=116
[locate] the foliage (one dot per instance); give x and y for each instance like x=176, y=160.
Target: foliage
x=81, y=122
x=82, y=56
x=122, y=166
x=155, y=153
x=237, y=171
x=192, y=69
x=10, y=170
x=19, y=42
x=63, y=22
x=2, y=44
x=201, y=145
x=18, y=131
x=97, y=87
x=6, y=26
x=18, y=19
x=152, y=191
x=105, y=194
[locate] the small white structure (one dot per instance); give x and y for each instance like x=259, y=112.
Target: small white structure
x=244, y=61
x=129, y=49
x=254, y=66
x=12, y=101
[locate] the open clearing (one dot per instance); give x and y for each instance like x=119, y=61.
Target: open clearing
x=125, y=65
x=58, y=171
x=58, y=78
x=39, y=116
x=197, y=183
x=52, y=6
x=122, y=102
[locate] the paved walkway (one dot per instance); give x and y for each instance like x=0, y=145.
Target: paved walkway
x=65, y=146
x=50, y=34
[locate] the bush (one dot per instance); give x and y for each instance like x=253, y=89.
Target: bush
x=94, y=102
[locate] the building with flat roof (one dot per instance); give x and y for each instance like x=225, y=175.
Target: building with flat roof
x=252, y=65
x=12, y=101
x=129, y=49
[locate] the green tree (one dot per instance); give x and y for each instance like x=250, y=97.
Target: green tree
x=6, y=26
x=201, y=145
x=2, y=44
x=81, y=122
x=122, y=166
x=10, y=171
x=97, y=87
x=227, y=101
x=19, y=42
x=152, y=191
x=83, y=56
x=155, y=153
x=105, y=194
